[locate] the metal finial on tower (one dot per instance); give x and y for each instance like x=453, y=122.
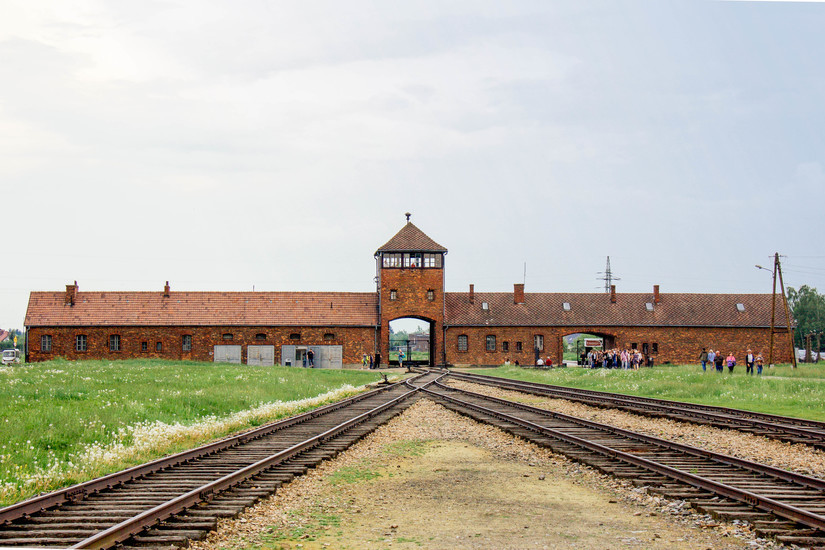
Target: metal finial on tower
x=408, y=216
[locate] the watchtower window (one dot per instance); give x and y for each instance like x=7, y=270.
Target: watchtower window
x=393, y=294
x=432, y=260
x=431, y=295
x=392, y=260
x=413, y=259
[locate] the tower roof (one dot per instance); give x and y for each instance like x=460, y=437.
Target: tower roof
x=411, y=239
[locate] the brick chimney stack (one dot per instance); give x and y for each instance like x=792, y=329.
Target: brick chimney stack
x=166, y=290
x=71, y=294
x=612, y=294
x=518, y=293
x=472, y=294
x=656, y=298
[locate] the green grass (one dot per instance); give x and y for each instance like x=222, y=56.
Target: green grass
x=404, y=449
x=352, y=474
x=52, y=413
x=781, y=390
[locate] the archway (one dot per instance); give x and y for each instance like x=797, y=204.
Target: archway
x=576, y=345
x=415, y=338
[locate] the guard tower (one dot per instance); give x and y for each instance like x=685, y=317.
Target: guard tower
x=410, y=276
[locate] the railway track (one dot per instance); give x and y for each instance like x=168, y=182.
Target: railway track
x=781, y=504
x=180, y=498
x=783, y=428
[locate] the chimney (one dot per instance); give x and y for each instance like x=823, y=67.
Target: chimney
x=71, y=294
x=472, y=294
x=612, y=294
x=518, y=293
x=166, y=290
x=656, y=298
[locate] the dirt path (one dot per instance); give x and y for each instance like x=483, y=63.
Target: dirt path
x=433, y=479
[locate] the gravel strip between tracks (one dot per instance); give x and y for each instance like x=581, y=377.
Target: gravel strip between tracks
x=789, y=456
x=287, y=511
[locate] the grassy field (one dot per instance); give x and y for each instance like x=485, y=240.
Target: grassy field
x=63, y=421
x=781, y=390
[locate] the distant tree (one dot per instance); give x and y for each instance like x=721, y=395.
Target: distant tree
x=21, y=340
x=808, y=307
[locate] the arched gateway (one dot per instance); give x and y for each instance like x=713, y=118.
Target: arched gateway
x=342, y=329
x=410, y=275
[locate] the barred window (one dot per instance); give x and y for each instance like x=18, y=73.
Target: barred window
x=144, y=346
x=491, y=342
x=431, y=295
x=329, y=336
x=159, y=346
x=538, y=342
x=393, y=294
x=505, y=347
x=81, y=342
x=228, y=336
x=114, y=342
x=295, y=336
x=519, y=346
x=186, y=343
x=462, y=342
x=260, y=336
x=46, y=342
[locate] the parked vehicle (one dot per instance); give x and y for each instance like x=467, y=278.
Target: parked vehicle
x=11, y=356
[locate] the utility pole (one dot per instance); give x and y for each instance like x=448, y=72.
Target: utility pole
x=608, y=277
x=777, y=269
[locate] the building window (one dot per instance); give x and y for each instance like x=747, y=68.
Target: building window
x=186, y=343
x=260, y=336
x=393, y=294
x=392, y=260
x=538, y=342
x=46, y=342
x=462, y=342
x=432, y=260
x=431, y=295
x=413, y=259
x=144, y=346
x=491, y=342
x=114, y=342
x=329, y=336
x=295, y=336
x=505, y=346
x=740, y=308
x=228, y=336
x=519, y=346
x=159, y=346
x=654, y=347
x=634, y=345
x=81, y=342
x=566, y=306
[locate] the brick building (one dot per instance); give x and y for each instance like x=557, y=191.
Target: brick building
x=466, y=328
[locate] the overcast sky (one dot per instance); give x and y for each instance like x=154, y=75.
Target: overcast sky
x=224, y=145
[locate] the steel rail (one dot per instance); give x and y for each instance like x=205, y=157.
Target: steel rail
x=752, y=499
x=793, y=477
x=81, y=490
x=132, y=526
x=727, y=415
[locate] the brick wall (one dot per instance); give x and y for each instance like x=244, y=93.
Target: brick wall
x=411, y=286
x=355, y=341
x=675, y=345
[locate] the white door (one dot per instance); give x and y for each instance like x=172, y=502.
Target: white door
x=263, y=356
x=227, y=354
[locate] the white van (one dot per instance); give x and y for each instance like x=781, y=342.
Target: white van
x=11, y=356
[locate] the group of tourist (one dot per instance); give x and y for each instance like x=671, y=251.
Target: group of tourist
x=718, y=360
x=615, y=358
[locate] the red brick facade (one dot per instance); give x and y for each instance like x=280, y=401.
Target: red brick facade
x=672, y=345
x=355, y=341
x=410, y=270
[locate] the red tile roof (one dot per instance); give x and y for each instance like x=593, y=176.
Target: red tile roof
x=203, y=309
x=411, y=239
x=674, y=310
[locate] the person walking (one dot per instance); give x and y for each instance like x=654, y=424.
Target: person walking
x=703, y=358
x=759, y=361
x=749, y=361
x=731, y=361
x=310, y=358
x=718, y=361
x=711, y=357
x=401, y=358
